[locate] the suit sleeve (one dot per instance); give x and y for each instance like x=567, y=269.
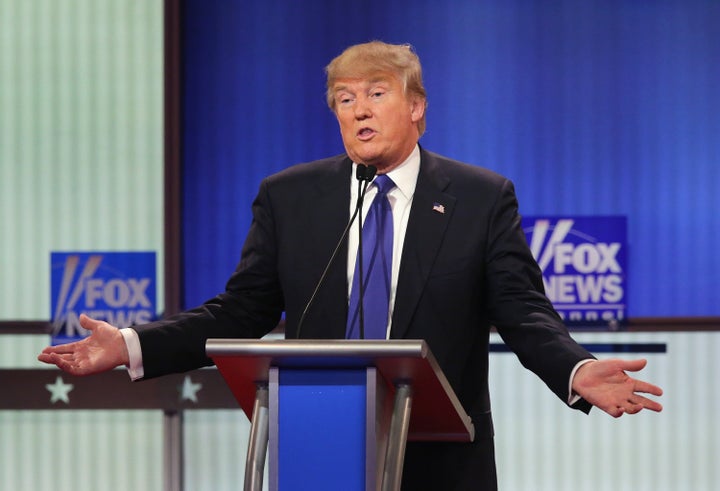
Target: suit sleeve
x=249, y=307
x=519, y=309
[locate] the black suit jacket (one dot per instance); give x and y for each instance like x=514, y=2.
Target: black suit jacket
x=462, y=271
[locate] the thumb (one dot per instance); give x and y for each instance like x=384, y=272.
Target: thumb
x=633, y=365
x=89, y=323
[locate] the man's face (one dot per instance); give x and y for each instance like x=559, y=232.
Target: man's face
x=378, y=123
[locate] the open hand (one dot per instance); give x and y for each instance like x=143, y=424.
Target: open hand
x=604, y=383
x=103, y=350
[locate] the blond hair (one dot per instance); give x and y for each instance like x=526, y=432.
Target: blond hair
x=368, y=59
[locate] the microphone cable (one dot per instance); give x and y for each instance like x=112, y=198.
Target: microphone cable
x=364, y=174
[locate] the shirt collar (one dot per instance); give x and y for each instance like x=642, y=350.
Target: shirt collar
x=405, y=175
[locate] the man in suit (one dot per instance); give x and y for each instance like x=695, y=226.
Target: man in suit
x=460, y=264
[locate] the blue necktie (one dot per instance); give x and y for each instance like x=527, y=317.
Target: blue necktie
x=377, y=237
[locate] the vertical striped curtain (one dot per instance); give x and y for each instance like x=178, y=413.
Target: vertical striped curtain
x=592, y=108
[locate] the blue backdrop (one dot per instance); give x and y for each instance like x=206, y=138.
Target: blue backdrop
x=590, y=107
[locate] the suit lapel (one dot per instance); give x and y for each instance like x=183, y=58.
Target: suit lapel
x=331, y=212
x=431, y=212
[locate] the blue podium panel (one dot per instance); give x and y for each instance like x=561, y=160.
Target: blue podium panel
x=322, y=429
x=328, y=414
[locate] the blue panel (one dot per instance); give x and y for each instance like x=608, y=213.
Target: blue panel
x=591, y=107
x=321, y=436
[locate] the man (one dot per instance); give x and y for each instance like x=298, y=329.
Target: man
x=460, y=264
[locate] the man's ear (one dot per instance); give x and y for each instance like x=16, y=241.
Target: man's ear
x=417, y=108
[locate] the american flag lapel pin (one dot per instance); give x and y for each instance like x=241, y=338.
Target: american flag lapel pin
x=438, y=208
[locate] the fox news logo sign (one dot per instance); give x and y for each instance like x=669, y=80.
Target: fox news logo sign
x=584, y=265
x=117, y=287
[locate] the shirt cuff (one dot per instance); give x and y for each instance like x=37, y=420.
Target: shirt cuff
x=132, y=341
x=572, y=396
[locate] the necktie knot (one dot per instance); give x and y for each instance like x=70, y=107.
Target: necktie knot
x=383, y=183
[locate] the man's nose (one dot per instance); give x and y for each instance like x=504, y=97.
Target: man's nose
x=362, y=108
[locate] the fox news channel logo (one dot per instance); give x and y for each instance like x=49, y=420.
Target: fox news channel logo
x=117, y=287
x=584, y=266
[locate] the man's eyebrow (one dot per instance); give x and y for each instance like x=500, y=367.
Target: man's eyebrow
x=382, y=79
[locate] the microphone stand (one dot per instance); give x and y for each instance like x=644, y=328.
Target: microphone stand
x=369, y=175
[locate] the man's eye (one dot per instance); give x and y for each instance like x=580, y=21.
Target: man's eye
x=377, y=93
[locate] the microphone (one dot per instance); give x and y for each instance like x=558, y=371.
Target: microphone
x=368, y=176
x=364, y=174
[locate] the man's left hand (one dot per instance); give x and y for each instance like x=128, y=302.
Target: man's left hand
x=604, y=383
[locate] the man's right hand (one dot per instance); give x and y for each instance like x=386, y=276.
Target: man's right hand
x=103, y=350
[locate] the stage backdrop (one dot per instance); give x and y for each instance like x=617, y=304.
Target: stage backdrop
x=81, y=148
x=590, y=107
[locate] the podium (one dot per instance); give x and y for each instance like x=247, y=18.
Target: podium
x=336, y=414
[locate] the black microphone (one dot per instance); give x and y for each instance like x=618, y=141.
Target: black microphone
x=364, y=174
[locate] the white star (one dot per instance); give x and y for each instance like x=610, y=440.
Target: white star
x=59, y=391
x=188, y=390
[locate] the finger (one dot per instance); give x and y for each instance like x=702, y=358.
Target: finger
x=61, y=348
x=45, y=358
x=647, y=388
x=648, y=403
x=637, y=403
x=633, y=408
x=628, y=408
x=54, y=357
x=63, y=362
x=67, y=366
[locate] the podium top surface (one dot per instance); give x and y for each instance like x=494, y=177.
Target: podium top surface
x=436, y=415
x=316, y=350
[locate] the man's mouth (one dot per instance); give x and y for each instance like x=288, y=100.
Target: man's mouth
x=365, y=134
